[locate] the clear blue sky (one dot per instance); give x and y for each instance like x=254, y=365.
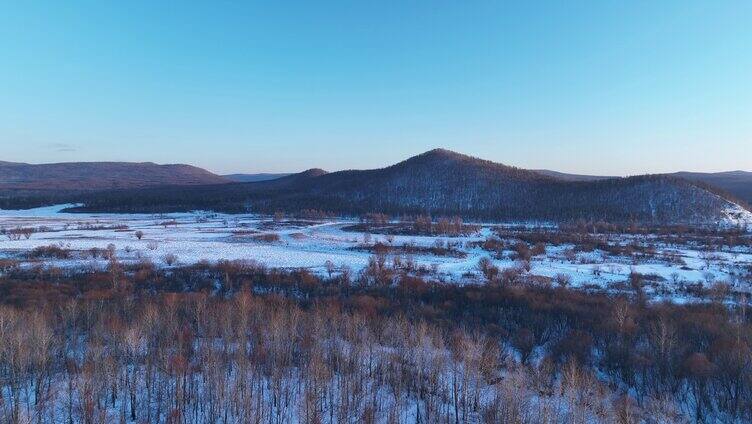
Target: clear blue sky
x=592, y=87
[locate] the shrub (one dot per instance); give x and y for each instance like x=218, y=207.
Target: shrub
x=488, y=269
x=8, y=265
x=562, y=280
x=267, y=237
x=170, y=259
x=51, y=252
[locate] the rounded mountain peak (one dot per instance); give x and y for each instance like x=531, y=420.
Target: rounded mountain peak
x=313, y=172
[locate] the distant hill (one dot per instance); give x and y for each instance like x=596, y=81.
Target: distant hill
x=253, y=178
x=736, y=183
x=91, y=176
x=570, y=177
x=228, y=197
x=441, y=182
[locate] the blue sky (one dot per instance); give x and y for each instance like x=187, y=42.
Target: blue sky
x=591, y=87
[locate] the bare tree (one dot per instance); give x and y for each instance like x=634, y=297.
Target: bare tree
x=170, y=259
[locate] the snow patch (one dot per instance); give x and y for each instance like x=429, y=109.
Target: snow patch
x=736, y=216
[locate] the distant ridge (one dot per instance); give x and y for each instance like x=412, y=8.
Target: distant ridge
x=90, y=176
x=227, y=197
x=253, y=178
x=736, y=183
x=442, y=182
x=570, y=177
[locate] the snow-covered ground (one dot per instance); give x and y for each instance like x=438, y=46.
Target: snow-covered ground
x=197, y=236
x=737, y=216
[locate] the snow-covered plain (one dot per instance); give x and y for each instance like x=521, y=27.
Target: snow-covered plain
x=192, y=237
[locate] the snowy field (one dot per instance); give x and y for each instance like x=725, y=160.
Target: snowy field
x=186, y=238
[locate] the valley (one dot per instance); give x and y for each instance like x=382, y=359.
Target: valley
x=681, y=267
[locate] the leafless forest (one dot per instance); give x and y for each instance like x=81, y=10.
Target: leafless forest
x=239, y=343
x=368, y=212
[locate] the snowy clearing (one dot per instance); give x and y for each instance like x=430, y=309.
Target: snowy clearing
x=671, y=271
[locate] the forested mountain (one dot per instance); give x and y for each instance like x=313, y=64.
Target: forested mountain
x=441, y=182
x=736, y=183
x=230, y=197
x=90, y=176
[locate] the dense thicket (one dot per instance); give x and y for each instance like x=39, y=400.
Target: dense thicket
x=236, y=342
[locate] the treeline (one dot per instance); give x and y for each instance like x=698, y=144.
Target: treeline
x=15, y=199
x=644, y=200
x=237, y=342
x=424, y=225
